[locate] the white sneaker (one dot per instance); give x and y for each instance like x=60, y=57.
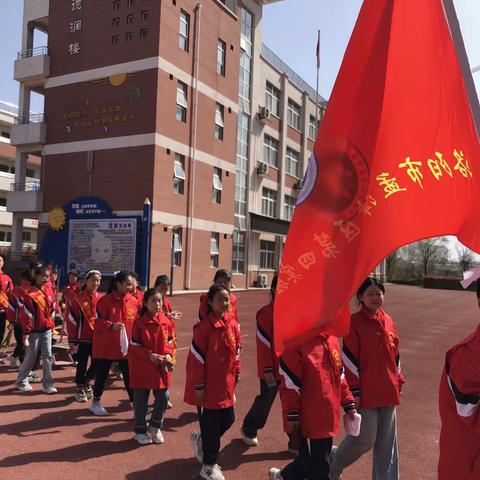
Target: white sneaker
x=156, y=434
x=50, y=390
x=34, y=378
x=196, y=438
x=211, y=472
x=81, y=396
x=89, y=392
x=13, y=361
x=24, y=388
x=169, y=405
x=97, y=409
x=250, y=441
x=142, y=438
x=274, y=474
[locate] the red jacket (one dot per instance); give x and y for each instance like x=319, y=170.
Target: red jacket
x=80, y=315
x=372, y=359
x=6, y=286
x=267, y=360
x=38, y=312
x=16, y=299
x=203, y=308
x=68, y=289
x=111, y=309
x=314, y=386
x=213, y=362
x=150, y=335
x=138, y=294
x=460, y=412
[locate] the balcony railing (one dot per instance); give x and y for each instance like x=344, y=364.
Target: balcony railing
x=26, y=187
x=32, y=52
x=32, y=118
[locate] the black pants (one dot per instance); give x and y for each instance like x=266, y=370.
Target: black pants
x=3, y=325
x=257, y=416
x=19, y=351
x=103, y=369
x=140, y=408
x=83, y=376
x=312, y=461
x=213, y=424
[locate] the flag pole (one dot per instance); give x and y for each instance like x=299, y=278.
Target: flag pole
x=318, y=79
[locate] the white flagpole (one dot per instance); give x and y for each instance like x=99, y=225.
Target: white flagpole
x=318, y=75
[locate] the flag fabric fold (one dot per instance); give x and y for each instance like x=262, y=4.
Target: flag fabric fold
x=396, y=160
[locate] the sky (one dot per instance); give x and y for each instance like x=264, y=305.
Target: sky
x=289, y=29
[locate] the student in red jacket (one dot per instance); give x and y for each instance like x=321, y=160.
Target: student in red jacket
x=222, y=277
x=71, y=287
x=116, y=313
x=213, y=370
x=16, y=299
x=460, y=410
x=37, y=318
x=313, y=387
x=80, y=318
x=267, y=367
x=137, y=291
x=372, y=361
x=6, y=286
x=149, y=360
x=162, y=284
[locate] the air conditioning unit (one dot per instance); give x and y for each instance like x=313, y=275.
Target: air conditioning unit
x=262, y=281
x=264, y=113
x=297, y=185
x=262, y=168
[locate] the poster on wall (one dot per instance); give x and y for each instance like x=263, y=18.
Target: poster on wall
x=108, y=245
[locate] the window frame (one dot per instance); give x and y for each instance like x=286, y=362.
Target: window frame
x=219, y=121
x=269, y=202
x=272, y=99
x=182, y=101
x=267, y=255
x=217, y=186
x=294, y=114
x=290, y=203
x=177, y=247
x=129, y=37
x=221, y=57
x=270, y=150
x=179, y=175
x=214, y=249
x=184, y=38
x=292, y=160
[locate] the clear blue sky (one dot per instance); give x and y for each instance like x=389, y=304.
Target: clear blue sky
x=289, y=29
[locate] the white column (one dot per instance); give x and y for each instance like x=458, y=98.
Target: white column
x=17, y=236
x=282, y=147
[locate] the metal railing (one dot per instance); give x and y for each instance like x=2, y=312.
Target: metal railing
x=32, y=52
x=298, y=81
x=32, y=118
x=26, y=187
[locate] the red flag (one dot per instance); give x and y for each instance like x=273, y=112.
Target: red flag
x=318, y=51
x=396, y=160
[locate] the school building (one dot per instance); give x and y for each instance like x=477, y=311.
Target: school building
x=177, y=101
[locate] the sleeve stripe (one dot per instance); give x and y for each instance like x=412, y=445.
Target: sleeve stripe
x=352, y=367
x=197, y=353
x=466, y=404
x=292, y=382
x=72, y=319
x=264, y=338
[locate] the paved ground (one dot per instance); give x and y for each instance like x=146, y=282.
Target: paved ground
x=54, y=438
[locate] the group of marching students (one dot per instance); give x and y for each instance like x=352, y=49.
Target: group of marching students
x=135, y=331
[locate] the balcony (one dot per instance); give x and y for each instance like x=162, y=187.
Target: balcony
x=30, y=130
x=25, y=198
x=32, y=67
x=37, y=11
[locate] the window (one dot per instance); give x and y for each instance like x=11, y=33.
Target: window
x=2, y=236
x=179, y=174
x=214, y=249
x=217, y=185
x=182, y=102
x=289, y=207
x=116, y=22
x=270, y=151
x=130, y=3
x=293, y=114
x=272, y=99
x=9, y=236
x=144, y=33
x=313, y=128
x=115, y=40
x=4, y=168
x=5, y=134
x=116, y=5
x=184, y=32
x=293, y=160
x=267, y=254
x=3, y=203
x=269, y=202
x=30, y=172
x=238, y=257
x=177, y=247
x=145, y=14
x=129, y=19
x=27, y=236
x=221, y=57
x=219, y=116
x=129, y=37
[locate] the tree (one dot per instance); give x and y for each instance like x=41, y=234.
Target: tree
x=392, y=261
x=466, y=258
x=430, y=251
